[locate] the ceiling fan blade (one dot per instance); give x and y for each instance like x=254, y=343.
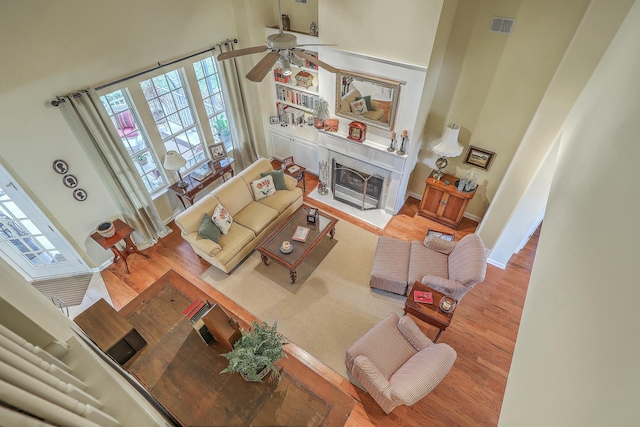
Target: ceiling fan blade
x=246, y=51
x=310, y=58
x=263, y=67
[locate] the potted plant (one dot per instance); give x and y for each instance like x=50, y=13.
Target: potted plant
x=320, y=112
x=255, y=352
x=221, y=125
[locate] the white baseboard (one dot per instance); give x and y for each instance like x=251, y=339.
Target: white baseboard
x=496, y=263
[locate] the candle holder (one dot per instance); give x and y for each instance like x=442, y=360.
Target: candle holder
x=404, y=135
x=392, y=147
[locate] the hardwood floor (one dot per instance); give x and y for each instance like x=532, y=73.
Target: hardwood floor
x=483, y=330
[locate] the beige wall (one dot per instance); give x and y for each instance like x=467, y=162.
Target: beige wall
x=491, y=84
x=576, y=357
x=57, y=47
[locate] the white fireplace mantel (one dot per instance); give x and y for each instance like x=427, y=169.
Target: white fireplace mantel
x=390, y=165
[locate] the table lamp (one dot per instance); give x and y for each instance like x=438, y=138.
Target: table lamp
x=173, y=161
x=448, y=146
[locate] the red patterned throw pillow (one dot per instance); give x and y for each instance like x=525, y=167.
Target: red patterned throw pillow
x=222, y=219
x=263, y=187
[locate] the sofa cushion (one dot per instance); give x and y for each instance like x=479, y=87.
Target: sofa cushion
x=438, y=244
x=425, y=261
x=234, y=195
x=254, y=170
x=263, y=187
x=278, y=178
x=281, y=200
x=208, y=229
x=222, y=218
x=467, y=261
x=233, y=242
x=256, y=217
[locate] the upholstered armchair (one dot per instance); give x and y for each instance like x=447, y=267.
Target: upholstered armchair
x=397, y=364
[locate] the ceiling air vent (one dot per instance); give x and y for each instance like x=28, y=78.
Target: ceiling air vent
x=501, y=25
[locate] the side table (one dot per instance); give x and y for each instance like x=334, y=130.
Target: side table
x=298, y=174
x=123, y=232
x=218, y=168
x=429, y=313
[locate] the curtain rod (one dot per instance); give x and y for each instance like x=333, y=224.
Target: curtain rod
x=60, y=99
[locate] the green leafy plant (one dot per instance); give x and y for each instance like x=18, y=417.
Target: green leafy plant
x=257, y=349
x=321, y=109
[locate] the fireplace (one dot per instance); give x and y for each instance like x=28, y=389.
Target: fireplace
x=356, y=188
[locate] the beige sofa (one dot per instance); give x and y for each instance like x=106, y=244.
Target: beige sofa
x=252, y=220
x=345, y=106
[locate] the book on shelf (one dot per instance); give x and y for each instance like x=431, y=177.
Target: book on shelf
x=423, y=297
x=301, y=234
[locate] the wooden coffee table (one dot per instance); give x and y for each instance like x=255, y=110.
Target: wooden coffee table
x=269, y=248
x=429, y=313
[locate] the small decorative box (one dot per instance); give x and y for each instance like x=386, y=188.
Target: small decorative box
x=312, y=216
x=304, y=79
x=331, y=125
x=357, y=131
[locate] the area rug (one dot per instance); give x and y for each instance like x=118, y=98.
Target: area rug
x=331, y=304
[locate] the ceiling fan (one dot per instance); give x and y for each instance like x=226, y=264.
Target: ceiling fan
x=284, y=49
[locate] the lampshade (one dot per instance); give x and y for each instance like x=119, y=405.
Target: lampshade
x=448, y=145
x=173, y=160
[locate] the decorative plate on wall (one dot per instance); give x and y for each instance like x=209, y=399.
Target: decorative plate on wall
x=80, y=195
x=70, y=181
x=60, y=166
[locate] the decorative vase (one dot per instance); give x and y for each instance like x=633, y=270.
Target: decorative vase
x=263, y=373
x=318, y=123
x=106, y=229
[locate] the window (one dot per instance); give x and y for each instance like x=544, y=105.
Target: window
x=155, y=114
x=211, y=91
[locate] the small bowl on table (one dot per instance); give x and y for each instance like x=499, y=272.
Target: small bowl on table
x=447, y=304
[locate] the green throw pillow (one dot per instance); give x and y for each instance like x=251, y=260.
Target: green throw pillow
x=208, y=229
x=367, y=100
x=278, y=179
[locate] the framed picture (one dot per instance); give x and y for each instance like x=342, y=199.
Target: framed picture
x=218, y=152
x=479, y=157
x=288, y=161
x=274, y=120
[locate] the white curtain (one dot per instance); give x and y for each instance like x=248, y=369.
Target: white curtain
x=84, y=113
x=243, y=143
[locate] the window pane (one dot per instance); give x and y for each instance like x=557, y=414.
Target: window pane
x=175, y=119
x=126, y=122
x=211, y=93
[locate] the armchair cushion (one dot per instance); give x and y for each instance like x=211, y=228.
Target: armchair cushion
x=413, y=334
x=446, y=286
x=425, y=261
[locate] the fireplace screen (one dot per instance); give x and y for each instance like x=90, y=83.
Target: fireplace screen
x=355, y=188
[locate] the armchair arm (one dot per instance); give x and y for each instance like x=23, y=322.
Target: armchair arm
x=422, y=373
x=374, y=382
x=446, y=286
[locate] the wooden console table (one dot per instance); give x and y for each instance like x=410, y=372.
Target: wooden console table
x=218, y=168
x=123, y=232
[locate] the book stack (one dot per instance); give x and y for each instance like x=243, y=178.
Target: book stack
x=195, y=312
x=296, y=97
x=279, y=76
x=201, y=173
x=290, y=115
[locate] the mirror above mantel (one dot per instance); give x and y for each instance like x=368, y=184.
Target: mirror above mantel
x=368, y=99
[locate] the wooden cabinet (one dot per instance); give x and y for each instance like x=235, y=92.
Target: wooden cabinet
x=444, y=203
